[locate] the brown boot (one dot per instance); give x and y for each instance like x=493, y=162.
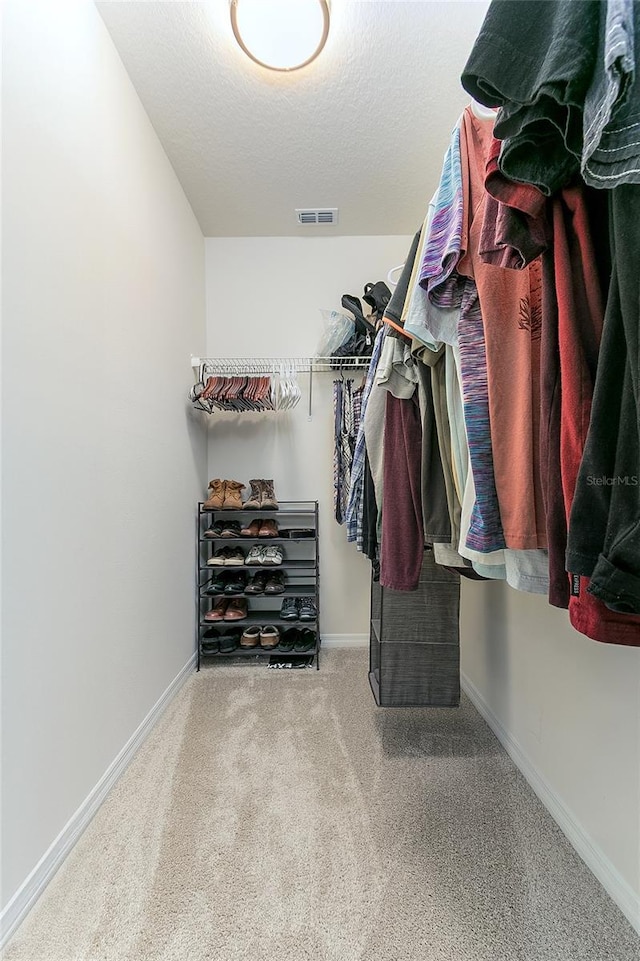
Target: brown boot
x=253, y=504
x=268, y=500
x=232, y=495
x=216, y=495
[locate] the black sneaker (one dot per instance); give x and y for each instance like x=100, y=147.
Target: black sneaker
x=307, y=608
x=214, y=531
x=289, y=609
x=217, y=584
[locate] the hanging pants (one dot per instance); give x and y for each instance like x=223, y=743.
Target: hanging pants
x=402, y=547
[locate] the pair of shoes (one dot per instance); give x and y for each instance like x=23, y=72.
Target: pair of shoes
x=263, y=583
x=260, y=528
x=214, y=531
x=229, y=529
x=227, y=557
x=297, y=640
x=262, y=496
x=224, y=495
x=227, y=582
x=298, y=533
x=266, y=556
x=267, y=637
x=223, y=529
x=299, y=609
x=226, y=610
x=210, y=642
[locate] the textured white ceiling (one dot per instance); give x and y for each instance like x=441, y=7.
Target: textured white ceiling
x=363, y=128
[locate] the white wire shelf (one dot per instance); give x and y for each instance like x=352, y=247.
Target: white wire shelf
x=273, y=365
x=279, y=367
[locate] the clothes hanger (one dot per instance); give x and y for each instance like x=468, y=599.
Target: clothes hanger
x=390, y=280
x=293, y=399
x=297, y=388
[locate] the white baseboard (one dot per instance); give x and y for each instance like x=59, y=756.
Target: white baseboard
x=596, y=860
x=344, y=640
x=33, y=886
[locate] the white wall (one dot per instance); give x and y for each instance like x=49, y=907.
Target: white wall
x=263, y=300
x=103, y=302
x=570, y=709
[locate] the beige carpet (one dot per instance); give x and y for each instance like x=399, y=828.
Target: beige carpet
x=278, y=816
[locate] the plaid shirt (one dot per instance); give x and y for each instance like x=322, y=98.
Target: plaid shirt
x=355, y=508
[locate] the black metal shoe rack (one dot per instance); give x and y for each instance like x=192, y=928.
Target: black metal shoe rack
x=301, y=570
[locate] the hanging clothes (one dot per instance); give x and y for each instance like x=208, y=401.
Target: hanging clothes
x=435, y=507
x=607, y=548
x=370, y=535
x=610, y=154
x=373, y=426
x=506, y=397
x=393, y=313
x=411, y=459
x=347, y=404
x=446, y=245
x=402, y=546
x=337, y=450
x=535, y=61
x=510, y=305
x=562, y=75
x=355, y=505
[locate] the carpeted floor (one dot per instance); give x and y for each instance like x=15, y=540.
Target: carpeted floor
x=279, y=816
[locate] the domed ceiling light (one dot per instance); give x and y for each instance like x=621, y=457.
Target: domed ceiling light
x=281, y=34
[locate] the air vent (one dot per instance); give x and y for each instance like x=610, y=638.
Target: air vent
x=319, y=215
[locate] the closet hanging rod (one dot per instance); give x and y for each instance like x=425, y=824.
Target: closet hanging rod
x=272, y=365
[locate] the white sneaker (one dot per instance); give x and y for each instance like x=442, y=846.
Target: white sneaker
x=256, y=555
x=273, y=554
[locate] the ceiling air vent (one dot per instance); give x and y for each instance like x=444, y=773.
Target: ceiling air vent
x=319, y=215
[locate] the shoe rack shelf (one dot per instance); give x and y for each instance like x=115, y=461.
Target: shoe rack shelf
x=303, y=590
x=262, y=617
x=306, y=508
x=301, y=571
x=297, y=565
x=262, y=541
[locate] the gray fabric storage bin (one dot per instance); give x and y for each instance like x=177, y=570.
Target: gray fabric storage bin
x=414, y=646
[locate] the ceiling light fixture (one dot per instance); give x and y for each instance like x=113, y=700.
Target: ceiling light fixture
x=281, y=34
